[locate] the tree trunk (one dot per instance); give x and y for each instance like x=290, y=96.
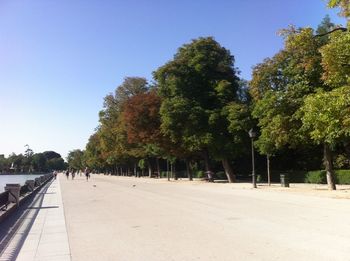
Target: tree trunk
x=158, y=167
x=268, y=169
x=228, y=170
x=328, y=162
x=149, y=168
x=167, y=170
x=174, y=171
x=206, y=161
x=189, y=173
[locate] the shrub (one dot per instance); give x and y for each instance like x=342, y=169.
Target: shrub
x=198, y=174
x=342, y=176
x=220, y=175
x=259, y=178
x=316, y=176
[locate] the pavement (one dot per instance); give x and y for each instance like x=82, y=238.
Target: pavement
x=127, y=218
x=40, y=233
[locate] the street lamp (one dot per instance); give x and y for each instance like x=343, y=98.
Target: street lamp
x=252, y=135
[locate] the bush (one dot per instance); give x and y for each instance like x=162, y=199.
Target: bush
x=198, y=174
x=342, y=176
x=316, y=176
x=220, y=175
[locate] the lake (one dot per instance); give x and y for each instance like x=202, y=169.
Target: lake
x=17, y=179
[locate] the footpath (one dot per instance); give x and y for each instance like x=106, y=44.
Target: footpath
x=41, y=230
x=141, y=219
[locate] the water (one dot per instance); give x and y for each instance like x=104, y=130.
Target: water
x=16, y=179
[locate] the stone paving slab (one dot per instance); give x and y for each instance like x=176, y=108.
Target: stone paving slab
x=47, y=239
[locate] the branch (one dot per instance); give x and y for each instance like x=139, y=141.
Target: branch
x=343, y=29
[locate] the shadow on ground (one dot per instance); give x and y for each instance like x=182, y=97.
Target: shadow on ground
x=18, y=220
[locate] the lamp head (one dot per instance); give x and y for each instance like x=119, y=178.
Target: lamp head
x=252, y=133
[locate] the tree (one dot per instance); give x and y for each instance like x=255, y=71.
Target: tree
x=336, y=60
x=56, y=164
x=326, y=117
x=3, y=163
x=51, y=155
x=142, y=123
x=109, y=146
x=39, y=162
x=142, y=118
x=75, y=159
x=92, y=154
x=281, y=84
x=195, y=87
x=343, y=4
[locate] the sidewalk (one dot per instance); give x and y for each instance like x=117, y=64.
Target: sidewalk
x=47, y=238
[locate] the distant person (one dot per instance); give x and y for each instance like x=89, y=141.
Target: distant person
x=210, y=176
x=73, y=174
x=87, y=174
x=67, y=173
x=55, y=174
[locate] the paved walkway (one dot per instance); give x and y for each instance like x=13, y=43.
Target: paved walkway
x=43, y=230
x=124, y=218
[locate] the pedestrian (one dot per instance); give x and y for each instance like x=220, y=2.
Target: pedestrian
x=55, y=174
x=87, y=174
x=67, y=173
x=210, y=176
x=73, y=174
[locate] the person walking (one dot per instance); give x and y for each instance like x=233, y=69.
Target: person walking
x=55, y=174
x=87, y=174
x=67, y=173
x=73, y=174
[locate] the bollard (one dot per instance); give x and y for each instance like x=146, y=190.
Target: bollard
x=14, y=191
x=37, y=182
x=284, y=180
x=30, y=184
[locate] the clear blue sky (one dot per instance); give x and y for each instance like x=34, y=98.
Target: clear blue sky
x=59, y=58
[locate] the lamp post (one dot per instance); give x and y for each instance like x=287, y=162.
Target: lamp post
x=252, y=135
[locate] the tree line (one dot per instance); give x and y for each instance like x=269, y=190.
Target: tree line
x=197, y=111
x=31, y=162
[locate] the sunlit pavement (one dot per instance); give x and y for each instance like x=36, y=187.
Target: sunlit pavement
x=126, y=218
x=47, y=239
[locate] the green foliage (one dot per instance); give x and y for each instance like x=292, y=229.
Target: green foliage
x=56, y=164
x=341, y=161
x=199, y=174
x=326, y=116
x=316, y=177
x=220, y=175
x=343, y=4
x=75, y=159
x=336, y=60
x=195, y=87
x=279, y=86
x=343, y=176
x=142, y=164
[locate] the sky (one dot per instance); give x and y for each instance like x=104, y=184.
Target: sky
x=59, y=58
